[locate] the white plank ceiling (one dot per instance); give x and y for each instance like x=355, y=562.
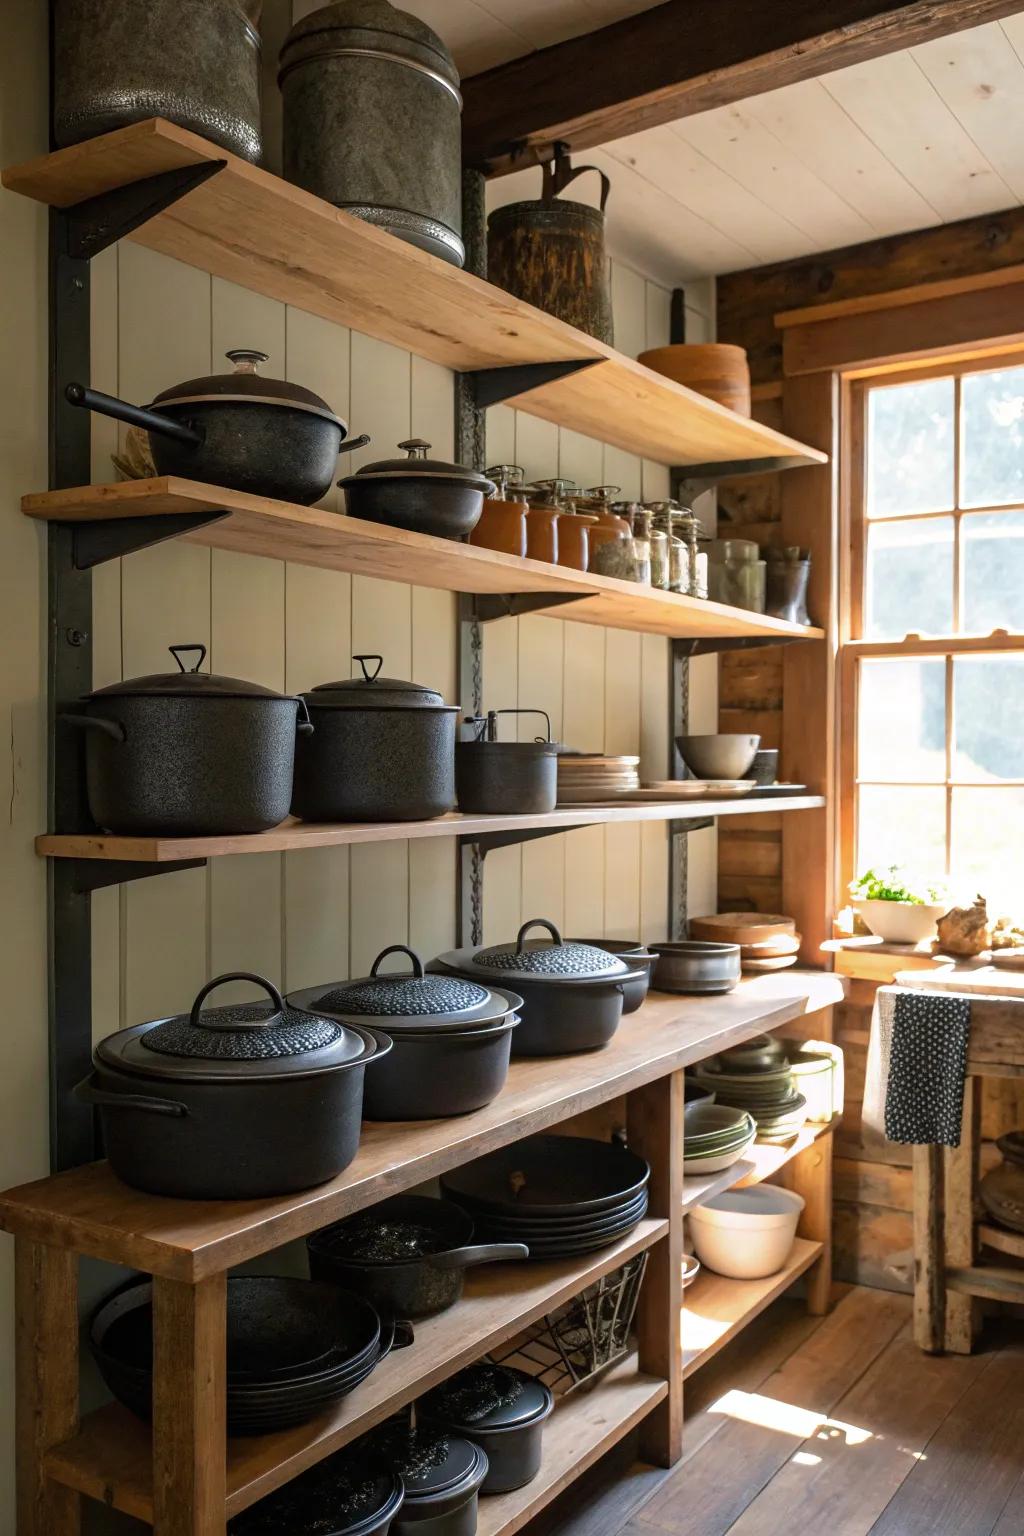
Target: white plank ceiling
x=918, y=138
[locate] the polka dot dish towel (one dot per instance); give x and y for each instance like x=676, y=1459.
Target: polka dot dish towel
x=924, y=1097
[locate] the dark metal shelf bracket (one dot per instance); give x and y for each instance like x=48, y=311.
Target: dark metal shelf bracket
x=111, y=537
x=492, y=386
x=88, y=875
x=101, y=221
x=486, y=606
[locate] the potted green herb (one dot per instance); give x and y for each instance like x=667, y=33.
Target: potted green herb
x=896, y=908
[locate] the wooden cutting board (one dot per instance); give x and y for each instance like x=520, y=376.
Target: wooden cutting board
x=742, y=927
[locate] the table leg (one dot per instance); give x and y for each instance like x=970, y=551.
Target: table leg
x=963, y=1312
x=189, y=1410
x=46, y=1383
x=929, y=1258
x=654, y=1123
x=810, y=1175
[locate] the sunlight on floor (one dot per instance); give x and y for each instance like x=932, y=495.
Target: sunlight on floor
x=788, y=1419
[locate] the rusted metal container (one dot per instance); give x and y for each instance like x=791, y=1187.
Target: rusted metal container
x=551, y=252
x=372, y=121
x=196, y=62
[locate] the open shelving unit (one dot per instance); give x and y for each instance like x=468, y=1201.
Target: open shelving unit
x=716, y=1308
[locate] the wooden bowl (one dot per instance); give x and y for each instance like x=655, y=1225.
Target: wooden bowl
x=713, y=369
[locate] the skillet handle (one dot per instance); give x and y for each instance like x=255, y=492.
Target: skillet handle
x=134, y=415
x=91, y=1095
x=111, y=728
x=480, y=1253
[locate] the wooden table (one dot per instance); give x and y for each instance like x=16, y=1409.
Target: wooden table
x=950, y=1279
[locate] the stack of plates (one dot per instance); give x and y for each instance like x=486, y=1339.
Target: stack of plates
x=757, y=1077
x=715, y=1137
x=294, y=1347
x=767, y=942
x=561, y=1195
x=589, y=778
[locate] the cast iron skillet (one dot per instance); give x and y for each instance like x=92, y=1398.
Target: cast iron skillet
x=549, y=1175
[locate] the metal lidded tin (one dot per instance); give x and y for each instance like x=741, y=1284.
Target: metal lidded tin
x=372, y=121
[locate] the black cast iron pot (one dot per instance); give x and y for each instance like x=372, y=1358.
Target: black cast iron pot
x=421, y=494
x=451, y=1037
x=636, y=954
x=441, y=1492
x=505, y=778
x=439, y=1234
x=267, y=437
x=500, y=1409
x=188, y=753
x=232, y=1103
x=381, y=750
x=572, y=993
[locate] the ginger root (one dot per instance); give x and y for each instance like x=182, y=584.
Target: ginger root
x=965, y=930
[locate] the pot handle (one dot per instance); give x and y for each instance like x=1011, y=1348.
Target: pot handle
x=177, y=650
x=368, y=676
x=492, y=721
x=112, y=728
x=134, y=415
x=400, y=949
x=198, y=1022
x=396, y=1333
x=91, y=1095
x=560, y=171
x=304, y=724
x=355, y=442
x=538, y=922
x=479, y=1253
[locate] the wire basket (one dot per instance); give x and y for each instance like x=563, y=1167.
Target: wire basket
x=572, y=1347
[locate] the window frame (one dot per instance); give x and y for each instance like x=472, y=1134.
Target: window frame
x=852, y=648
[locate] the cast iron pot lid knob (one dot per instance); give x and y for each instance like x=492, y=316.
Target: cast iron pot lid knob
x=371, y=691
x=241, y=1031
x=404, y=995
x=486, y=1396
x=554, y=958
x=187, y=682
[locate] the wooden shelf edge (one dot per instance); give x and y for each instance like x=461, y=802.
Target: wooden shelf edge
x=734, y=1303
x=582, y=1428
x=292, y=836
x=110, y=1460
x=758, y=1163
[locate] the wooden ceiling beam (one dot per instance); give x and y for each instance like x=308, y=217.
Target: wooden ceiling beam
x=682, y=57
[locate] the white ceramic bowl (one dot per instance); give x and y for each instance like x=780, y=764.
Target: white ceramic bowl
x=901, y=922
x=746, y=1233
x=718, y=757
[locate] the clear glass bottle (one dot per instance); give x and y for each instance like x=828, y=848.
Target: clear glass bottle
x=665, y=519
x=640, y=520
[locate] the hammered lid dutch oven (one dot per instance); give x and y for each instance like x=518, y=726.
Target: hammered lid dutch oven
x=242, y=1040
x=434, y=1467
x=188, y=683
x=410, y=1002
x=371, y=691
x=247, y=387
x=488, y=1397
x=417, y=466
x=550, y=959
x=370, y=26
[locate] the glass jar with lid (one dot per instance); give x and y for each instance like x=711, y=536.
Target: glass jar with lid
x=665, y=518
x=640, y=521
x=573, y=527
x=692, y=531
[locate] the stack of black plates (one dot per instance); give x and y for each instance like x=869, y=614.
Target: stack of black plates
x=561, y=1195
x=294, y=1347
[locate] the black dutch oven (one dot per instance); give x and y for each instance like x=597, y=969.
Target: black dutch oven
x=232, y=1103
x=188, y=753
x=505, y=778
x=503, y=1411
x=421, y=494
x=267, y=437
x=635, y=953
x=451, y=1037
x=381, y=750
x=572, y=993
x=407, y=1255
x=339, y=1497
x=443, y=1477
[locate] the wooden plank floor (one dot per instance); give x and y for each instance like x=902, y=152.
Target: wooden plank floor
x=834, y=1424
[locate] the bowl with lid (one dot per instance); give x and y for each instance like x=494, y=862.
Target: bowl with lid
x=500, y=1409
x=572, y=993
x=232, y=1103
x=451, y=1037
x=382, y=749
x=420, y=494
x=189, y=753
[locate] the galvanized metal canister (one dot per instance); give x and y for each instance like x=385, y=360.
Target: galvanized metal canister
x=372, y=121
x=196, y=62
x=552, y=253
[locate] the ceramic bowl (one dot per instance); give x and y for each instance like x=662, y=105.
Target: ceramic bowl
x=765, y=767
x=718, y=757
x=901, y=922
x=761, y=1054
x=746, y=1234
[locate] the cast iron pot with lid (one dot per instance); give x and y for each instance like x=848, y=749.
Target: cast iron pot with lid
x=267, y=437
x=443, y=1477
x=503, y=1411
x=189, y=753
x=572, y=993
x=407, y=1255
x=505, y=778
x=382, y=749
x=637, y=953
x=417, y=493
x=340, y=1496
x=235, y=1102
x=451, y=1037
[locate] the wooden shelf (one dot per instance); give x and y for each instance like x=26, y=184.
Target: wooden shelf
x=715, y=1309
x=253, y=228
x=90, y=1211
x=582, y=1427
x=700, y=1187
x=110, y=1458
x=1001, y=1240
x=280, y=530
x=758, y=1163
x=291, y=836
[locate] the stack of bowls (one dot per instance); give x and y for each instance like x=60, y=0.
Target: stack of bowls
x=561, y=1195
x=757, y=1077
x=715, y=1137
x=294, y=1347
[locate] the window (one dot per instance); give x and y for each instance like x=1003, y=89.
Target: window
x=933, y=657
